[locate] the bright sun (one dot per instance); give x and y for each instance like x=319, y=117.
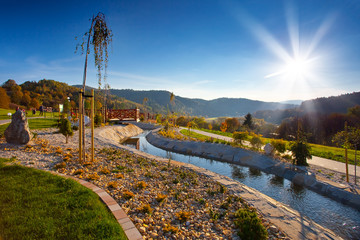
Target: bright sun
x=297, y=67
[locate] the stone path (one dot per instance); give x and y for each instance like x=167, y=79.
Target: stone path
x=318, y=161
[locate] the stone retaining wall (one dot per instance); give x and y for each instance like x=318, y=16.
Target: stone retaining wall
x=226, y=153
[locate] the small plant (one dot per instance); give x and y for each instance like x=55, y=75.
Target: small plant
x=127, y=194
x=213, y=214
x=120, y=168
x=249, y=225
x=60, y=165
x=141, y=185
x=93, y=176
x=148, y=175
x=176, y=181
x=79, y=171
x=170, y=228
x=225, y=205
x=58, y=151
x=119, y=175
x=222, y=189
x=146, y=208
x=202, y=201
x=65, y=128
x=256, y=142
x=279, y=145
x=112, y=185
x=183, y=215
x=105, y=171
x=161, y=198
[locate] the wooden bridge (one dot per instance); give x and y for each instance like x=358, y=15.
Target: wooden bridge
x=123, y=114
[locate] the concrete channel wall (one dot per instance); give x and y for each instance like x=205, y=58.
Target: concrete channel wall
x=226, y=153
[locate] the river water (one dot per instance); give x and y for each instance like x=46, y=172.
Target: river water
x=341, y=219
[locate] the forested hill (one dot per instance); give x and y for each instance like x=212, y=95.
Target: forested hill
x=334, y=104
x=324, y=106
x=159, y=101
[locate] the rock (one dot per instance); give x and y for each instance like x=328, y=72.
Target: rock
x=269, y=149
x=18, y=131
x=273, y=228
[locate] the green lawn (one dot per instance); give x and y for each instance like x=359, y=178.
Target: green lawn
x=333, y=153
x=36, y=204
x=4, y=114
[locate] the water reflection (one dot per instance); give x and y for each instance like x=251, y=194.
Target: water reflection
x=253, y=172
x=237, y=173
x=297, y=191
x=277, y=181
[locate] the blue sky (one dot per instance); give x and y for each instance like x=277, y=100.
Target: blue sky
x=267, y=50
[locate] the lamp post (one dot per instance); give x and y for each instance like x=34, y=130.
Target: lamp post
x=68, y=98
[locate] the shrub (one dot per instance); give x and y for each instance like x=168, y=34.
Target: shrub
x=170, y=228
x=146, y=208
x=160, y=197
x=256, y=142
x=112, y=184
x=60, y=165
x=183, y=215
x=78, y=172
x=127, y=194
x=141, y=185
x=105, y=171
x=301, y=152
x=65, y=128
x=119, y=175
x=97, y=120
x=249, y=225
x=239, y=137
x=93, y=176
x=279, y=145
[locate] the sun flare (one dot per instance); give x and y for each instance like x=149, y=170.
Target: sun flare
x=297, y=67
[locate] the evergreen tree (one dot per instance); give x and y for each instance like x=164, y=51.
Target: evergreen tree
x=248, y=121
x=65, y=128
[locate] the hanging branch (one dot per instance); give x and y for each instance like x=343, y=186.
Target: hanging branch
x=100, y=37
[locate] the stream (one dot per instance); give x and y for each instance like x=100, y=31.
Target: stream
x=341, y=219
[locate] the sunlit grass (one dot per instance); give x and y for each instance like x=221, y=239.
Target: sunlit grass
x=333, y=153
x=35, y=204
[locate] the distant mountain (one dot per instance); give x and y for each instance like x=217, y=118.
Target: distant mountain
x=295, y=102
x=159, y=101
x=333, y=104
x=324, y=105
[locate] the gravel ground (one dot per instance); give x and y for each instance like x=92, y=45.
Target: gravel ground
x=163, y=200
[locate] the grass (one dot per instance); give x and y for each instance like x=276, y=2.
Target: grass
x=34, y=123
x=333, y=153
x=4, y=113
x=39, y=205
x=201, y=137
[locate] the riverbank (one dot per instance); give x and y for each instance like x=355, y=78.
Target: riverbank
x=45, y=154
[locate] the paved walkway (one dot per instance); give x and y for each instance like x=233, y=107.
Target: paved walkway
x=318, y=161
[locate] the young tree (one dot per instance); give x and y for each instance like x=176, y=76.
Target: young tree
x=190, y=125
x=233, y=124
x=300, y=149
x=248, y=121
x=256, y=142
x=239, y=137
x=65, y=128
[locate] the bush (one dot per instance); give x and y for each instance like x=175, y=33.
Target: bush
x=249, y=225
x=240, y=136
x=301, y=151
x=256, y=142
x=65, y=128
x=279, y=145
x=183, y=215
x=97, y=120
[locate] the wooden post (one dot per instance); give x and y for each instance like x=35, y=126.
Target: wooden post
x=80, y=125
x=92, y=124
x=346, y=155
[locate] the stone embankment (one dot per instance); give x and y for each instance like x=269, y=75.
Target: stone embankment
x=226, y=153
